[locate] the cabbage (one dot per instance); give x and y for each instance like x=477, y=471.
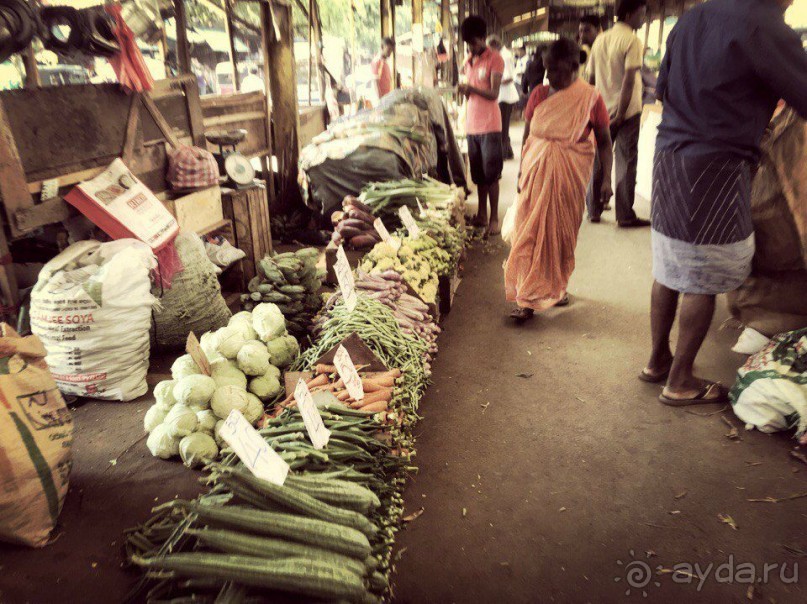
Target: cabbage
x=161, y=443
x=230, y=341
x=197, y=448
x=184, y=366
x=194, y=390
x=207, y=420
x=209, y=344
x=164, y=394
x=283, y=350
x=273, y=372
x=254, y=410
x=180, y=421
x=265, y=387
x=242, y=322
x=154, y=417
x=268, y=321
x=227, y=373
x=227, y=398
x=217, y=434
x=253, y=358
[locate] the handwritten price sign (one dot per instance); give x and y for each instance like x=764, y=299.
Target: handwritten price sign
x=347, y=371
x=253, y=450
x=314, y=425
x=345, y=278
x=385, y=236
x=409, y=222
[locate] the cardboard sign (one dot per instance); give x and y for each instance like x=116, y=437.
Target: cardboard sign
x=409, y=222
x=345, y=278
x=193, y=348
x=420, y=206
x=253, y=450
x=317, y=432
x=385, y=236
x=347, y=371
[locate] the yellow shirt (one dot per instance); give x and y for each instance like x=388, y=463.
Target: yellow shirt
x=614, y=52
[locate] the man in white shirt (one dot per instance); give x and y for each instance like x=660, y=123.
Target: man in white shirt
x=616, y=58
x=508, y=94
x=253, y=82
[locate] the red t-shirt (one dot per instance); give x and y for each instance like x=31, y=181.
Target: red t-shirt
x=483, y=116
x=380, y=69
x=599, y=113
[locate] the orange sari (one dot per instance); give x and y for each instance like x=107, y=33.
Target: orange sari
x=556, y=166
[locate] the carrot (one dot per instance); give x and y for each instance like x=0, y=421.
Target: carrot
x=379, y=395
x=369, y=385
x=323, y=368
x=376, y=406
x=319, y=380
x=343, y=395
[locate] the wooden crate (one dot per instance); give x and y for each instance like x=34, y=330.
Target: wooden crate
x=197, y=211
x=353, y=258
x=248, y=209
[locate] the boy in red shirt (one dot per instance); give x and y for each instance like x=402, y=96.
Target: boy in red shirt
x=483, y=72
x=380, y=68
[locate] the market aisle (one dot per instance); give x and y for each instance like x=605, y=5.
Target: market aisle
x=544, y=462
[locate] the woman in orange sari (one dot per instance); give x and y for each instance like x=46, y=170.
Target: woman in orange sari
x=563, y=121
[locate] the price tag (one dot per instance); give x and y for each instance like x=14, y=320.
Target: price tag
x=345, y=277
x=193, y=348
x=253, y=450
x=409, y=222
x=385, y=236
x=50, y=188
x=420, y=206
x=347, y=371
x=314, y=425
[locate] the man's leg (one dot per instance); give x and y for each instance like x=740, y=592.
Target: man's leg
x=663, y=304
x=593, y=201
x=626, y=155
x=695, y=318
x=507, y=112
x=482, y=212
x=493, y=195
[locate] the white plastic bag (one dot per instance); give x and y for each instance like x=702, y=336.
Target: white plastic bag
x=750, y=342
x=509, y=222
x=91, y=307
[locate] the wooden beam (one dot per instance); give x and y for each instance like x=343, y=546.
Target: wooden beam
x=279, y=58
x=266, y=161
x=388, y=30
x=230, y=27
x=13, y=184
x=311, y=48
x=417, y=30
x=32, y=79
x=662, y=10
x=183, y=50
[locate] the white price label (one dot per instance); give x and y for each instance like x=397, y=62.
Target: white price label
x=50, y=188
x=314, y=425
x=420, y=206
x=253, y=450
x=345, y=277
x=409, y=222
x=347, y=371
x=385, y=236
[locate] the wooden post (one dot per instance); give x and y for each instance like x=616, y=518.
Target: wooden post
x=183, y=51
x=661, y=24
x=278, y=53
x=311, y=50
x=31, y=70
x=417, y=31
x=388, y=30
x=228, y=24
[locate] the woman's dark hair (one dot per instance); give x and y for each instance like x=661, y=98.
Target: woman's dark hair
x=564, y=49
x=473, y=27
x=387, y=41
x=627, y=7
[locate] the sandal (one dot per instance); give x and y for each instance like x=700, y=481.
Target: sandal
x=654, y=378
x=564, y=301
x=713, y=392
x=522, y=314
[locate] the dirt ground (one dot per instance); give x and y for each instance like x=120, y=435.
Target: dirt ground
x=570, y=483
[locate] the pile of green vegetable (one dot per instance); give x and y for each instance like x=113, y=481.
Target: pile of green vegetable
x=448, y=238
x=292, y=281
x=386, y=198
x=413, y=267
x=246, y=357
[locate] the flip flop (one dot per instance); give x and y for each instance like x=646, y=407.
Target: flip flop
x=702, y=398
x=564, y=301
x=522, y=314
x=654, y=379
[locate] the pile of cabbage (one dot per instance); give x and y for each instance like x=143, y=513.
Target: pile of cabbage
x=246, y=357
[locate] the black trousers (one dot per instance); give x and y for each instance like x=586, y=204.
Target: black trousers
x=507, y=112
x=626, y=155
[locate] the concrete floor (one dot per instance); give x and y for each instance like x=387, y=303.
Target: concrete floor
x=556, y=486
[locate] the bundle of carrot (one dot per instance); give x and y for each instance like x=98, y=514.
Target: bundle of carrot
x=378, y=389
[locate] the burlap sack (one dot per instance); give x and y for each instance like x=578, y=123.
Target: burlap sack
x=36, y=436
